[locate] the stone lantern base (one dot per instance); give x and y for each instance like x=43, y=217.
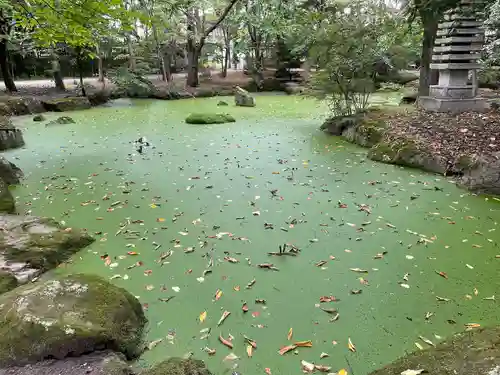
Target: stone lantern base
x=453, y=105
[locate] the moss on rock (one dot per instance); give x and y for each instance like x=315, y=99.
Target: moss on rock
x=475, y=352
x=7, y=202
x=7, y=282
x=209, y=118
x=68, y=316
x=41, y=243
x=178, y=366
x=66, y=104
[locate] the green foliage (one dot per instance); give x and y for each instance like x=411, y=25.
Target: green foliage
x=132, y=83
x=348, y=45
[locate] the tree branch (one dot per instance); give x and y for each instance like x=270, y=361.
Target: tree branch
x=218, y=22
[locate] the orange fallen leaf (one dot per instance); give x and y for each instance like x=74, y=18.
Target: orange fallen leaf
x=225, y=342
x=304, y=344
x=287, y=349
x=290, y=334
x=236, y=288
x=160, y=220
x=218, y=294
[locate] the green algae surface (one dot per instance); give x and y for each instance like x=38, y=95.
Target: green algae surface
x=398, y=252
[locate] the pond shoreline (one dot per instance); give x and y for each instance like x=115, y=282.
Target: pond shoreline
x=458, y=146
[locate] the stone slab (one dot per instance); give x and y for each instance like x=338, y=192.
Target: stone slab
x=452, y=105
x=455, y=66
x=455, y=31
x=460, y=39
x=458, y=48
x=452, y=92
x=451, y=24
x=458, y=56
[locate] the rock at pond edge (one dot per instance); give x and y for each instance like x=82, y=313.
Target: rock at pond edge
x=32, y=245
x=7, y=202
x=96, y=363
x=66, y=104
x=242, y=98
x=209, y=118
x=482, y=175
x=473, y=352
x=10, y=172
x=68, y=316
x=63, y=120
x=178, y=366
x=7, y=282
x=39, y=118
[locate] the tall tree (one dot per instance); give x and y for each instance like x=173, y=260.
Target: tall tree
x=6, y=24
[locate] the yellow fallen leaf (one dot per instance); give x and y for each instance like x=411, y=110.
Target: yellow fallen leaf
x=351, y=346
x=249, y=350
x=290, y=334
x=342, y=372
x=203, y=316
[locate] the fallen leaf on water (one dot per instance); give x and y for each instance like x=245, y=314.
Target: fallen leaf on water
x=329, y=311
x=442, y=299
x=256, y=314
x=442, y=274
x=323, y=355
x=412, y=372
x=218, y=294
x=322, y=368
x=224, y=316
x=287, y=349
x=250, y=284
x=350, y=345
x=320, y=263
x=342, y=372
x=231, y=260
x=203, y=316
x=359, y=270
x=492, y=298
x=476, y=292
x=244, y=307
x=230, y=357
x=419, y=346
x=307, y=367
x=290, y=334
x=304, y=344
x=267, y=370
x=427, y=341
x=176, y=289
x=225, y=342
x=327, y=299
x=472, y=325
x=249, y=350
x=209, y=351
x=152, y=344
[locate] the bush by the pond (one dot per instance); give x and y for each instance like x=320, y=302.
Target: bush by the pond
x=68, y=316
x=178, y=366
x=63, y=120
x=209, y=118
x=66, y=104
x=7, y=282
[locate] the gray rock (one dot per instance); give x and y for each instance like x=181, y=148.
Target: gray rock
x=31, y=245
x=7, y=202
x=178, y=366
x=474, y=352
x=293, y=88
x=97, y=363
x=17, y=105
x=483, y=175
x=10, y=136
x=242, y=98
x=63, y=120
x=222, y=103
x=9, y=172
x=68, y=316
x=99, y=97
x=7, y=282
x=338, y=124
x=66, y=104
x=39, y=118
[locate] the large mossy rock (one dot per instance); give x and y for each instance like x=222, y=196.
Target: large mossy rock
x=31, y=245
x=66, y=104
x=10, y=172
x=364, y=129
x=482, y=175
x=406, y=152
x=18, y=105
x=242, y=98
x=7, y=282
x=209, y=118
x=99, y=97
x=10, y=136
x=68, y=316
x=62, y=120
x=7, y=202
x=96, y=363
x=178, y=366
x=468, y=353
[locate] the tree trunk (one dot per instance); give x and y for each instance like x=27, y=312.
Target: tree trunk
x=193, y=53
x=56, y=72
x=168, y=62
x=4, y=65
x=100, y=68
x=80, y=70
x=430, y=29
x=159, y=55
x=227, y=59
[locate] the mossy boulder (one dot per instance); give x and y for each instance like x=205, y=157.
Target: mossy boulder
x=7, y=282
x=178, y=366
x=406, y=152
x=474, y=352
x=39, y=118
x=18, y=105
x=367, y=133
x=32, y=245
x=68, y=316
x=222, y=103
x=66, y=104
x=10, y=172
x=63, y=120
x=242, y=98
x=338, y=124
x=7, y=202
x=481, y=174
x=209, y=118
x=97, y=363
x=10, y=136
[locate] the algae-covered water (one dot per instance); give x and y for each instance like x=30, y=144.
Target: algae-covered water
x=401, y=253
